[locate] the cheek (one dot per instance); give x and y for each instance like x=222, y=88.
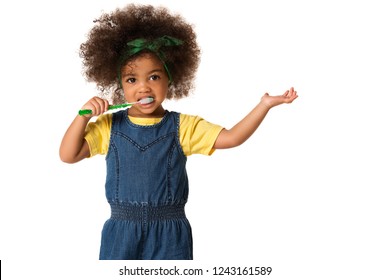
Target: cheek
x=163, y=91
x=128, y=93
x=163, y=87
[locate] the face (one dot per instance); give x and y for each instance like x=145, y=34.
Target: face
x=143, y=77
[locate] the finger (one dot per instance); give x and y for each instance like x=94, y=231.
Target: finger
x=105, y=105
x=293, y=97
x=96, y=104
x=94, y=108
x=101, y=106
x=291, y=92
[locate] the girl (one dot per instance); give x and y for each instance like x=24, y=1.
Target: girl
x=145, y=53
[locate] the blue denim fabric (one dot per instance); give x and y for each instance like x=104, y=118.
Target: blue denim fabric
x=147, y=189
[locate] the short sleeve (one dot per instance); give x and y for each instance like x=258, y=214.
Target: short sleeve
x=97, y=135
x=197, y=136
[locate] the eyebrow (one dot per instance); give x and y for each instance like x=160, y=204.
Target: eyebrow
x=127, y=74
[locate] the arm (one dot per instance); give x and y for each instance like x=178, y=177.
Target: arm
x=73, y=146
x=239, y=133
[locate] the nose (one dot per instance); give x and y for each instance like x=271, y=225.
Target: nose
x=144, y=86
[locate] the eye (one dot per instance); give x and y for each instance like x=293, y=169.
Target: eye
x=154, y=77
x=131, y=80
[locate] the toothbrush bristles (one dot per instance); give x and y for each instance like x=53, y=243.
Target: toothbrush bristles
x=146, y=100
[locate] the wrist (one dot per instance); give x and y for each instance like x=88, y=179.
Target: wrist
x=85, y=118
x=265, y=105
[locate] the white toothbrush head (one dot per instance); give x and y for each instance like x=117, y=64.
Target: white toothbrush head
x=146, y=100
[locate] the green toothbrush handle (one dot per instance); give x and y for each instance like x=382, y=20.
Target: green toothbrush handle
x=85, y=112
x=111, y=107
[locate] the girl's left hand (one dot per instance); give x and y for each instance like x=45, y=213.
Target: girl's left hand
x=271, y=101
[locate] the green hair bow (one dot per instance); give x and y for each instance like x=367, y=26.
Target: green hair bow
x=135, y=46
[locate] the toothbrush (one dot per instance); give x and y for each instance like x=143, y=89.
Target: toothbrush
x=119, y=106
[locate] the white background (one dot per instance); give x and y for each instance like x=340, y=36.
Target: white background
x=307, y=194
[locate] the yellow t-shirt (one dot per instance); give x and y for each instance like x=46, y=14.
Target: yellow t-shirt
x=197, y=136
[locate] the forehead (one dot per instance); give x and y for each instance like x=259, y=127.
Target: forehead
x=145, y=61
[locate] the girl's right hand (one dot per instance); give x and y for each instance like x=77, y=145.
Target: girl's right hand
x=97, y=105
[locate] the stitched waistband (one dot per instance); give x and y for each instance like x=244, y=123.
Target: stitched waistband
x=146, y=212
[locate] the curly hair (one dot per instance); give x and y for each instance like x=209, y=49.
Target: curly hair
x=107, y=39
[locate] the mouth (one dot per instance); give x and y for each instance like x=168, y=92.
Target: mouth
x=145, y=100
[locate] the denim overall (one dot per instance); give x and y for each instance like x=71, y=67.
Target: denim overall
x=147, y=188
